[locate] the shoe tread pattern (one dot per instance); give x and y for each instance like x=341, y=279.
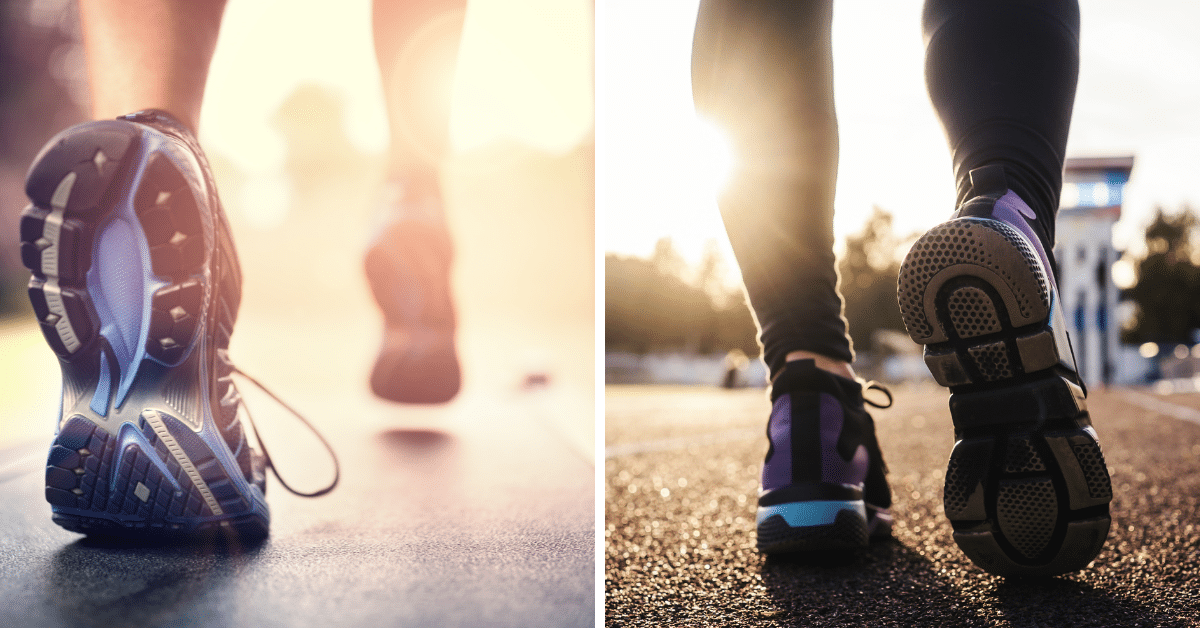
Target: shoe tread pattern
x=968, y=290
x=985, y=245
x=67, y=186
x=87, y=166
x=848, y=531
x=1026, y=489
x=1028, y=504
x=96, y=489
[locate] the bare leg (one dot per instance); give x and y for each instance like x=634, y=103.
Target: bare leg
x=833, y=365
x=408, y=265
x=416, y=44
x=144, y=54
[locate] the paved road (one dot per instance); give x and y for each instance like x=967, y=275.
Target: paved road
x=453, y=524
x=477, y=513
x=681, y=480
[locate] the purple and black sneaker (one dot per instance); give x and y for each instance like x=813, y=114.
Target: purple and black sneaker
x=1027, y=490
x=824, y=482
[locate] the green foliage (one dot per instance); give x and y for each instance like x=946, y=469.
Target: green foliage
x=649, y=306
x=868, y=272
x=1167, y=292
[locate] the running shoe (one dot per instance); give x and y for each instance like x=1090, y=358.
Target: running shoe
x=136, y=285
x=1027, y=490
x=408, y=269
x=824, y=483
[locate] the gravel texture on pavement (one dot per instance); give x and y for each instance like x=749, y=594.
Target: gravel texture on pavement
x=682, y=468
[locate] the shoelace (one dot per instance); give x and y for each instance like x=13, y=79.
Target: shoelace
x=874, y=385
x=337, y=470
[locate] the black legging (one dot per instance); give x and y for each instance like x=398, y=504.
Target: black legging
x=1001, y=74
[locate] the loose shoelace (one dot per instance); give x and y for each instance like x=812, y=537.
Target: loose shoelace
x=337, y=470
x=873, y=385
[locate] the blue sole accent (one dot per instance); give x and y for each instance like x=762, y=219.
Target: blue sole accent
x=805, y=514
x=122, y=284
x=129, y=435
x=99, y=403
x=132, y=484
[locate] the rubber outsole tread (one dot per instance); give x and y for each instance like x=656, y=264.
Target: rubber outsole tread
x=408, y=270
x=1026, y=488
x=143, y=472
x=95, y=488
x=847, y=532
x=57, y=242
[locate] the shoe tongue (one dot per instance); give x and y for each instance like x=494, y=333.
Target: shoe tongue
x=804, y=376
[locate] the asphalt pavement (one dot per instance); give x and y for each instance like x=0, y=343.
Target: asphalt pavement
x=681, y=480
x=482, y=519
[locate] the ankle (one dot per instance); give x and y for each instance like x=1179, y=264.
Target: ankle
x=831, y=365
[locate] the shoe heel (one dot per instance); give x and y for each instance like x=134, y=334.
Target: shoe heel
x=158, y=478
x=77, y=220
x=119, y=237
x=812, y=526
x=1027, y=497
x=407, y=270
x=974, y=292
x=810, y=516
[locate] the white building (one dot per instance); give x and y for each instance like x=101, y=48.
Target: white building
x=1090, y=206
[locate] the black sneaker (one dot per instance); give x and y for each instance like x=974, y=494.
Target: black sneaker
x=408, y=268
x=1027, y=490
x=136, y=285
x=824, y=483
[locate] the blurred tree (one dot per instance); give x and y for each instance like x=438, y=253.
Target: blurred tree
x=868, y=272
x=649, y=306
x=1167, y=290
x=312, y=122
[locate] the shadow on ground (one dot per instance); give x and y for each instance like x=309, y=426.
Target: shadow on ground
x=892, y=584
x=682, y=477
x=95, y=582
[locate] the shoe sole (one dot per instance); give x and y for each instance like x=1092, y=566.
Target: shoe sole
x=820, y=525
x=417, y=363
x=1027, y=490
x=117, y=246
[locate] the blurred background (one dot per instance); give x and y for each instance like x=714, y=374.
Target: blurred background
x=295, y=127
x=1127, y=247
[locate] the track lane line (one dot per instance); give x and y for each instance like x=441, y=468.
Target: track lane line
x=1154, y=404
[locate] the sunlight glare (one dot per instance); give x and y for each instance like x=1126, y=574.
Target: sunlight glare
x=524, y=72
x=712, y=154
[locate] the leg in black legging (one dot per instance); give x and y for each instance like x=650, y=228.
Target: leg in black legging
x=763, y=70
x=1002, y=77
